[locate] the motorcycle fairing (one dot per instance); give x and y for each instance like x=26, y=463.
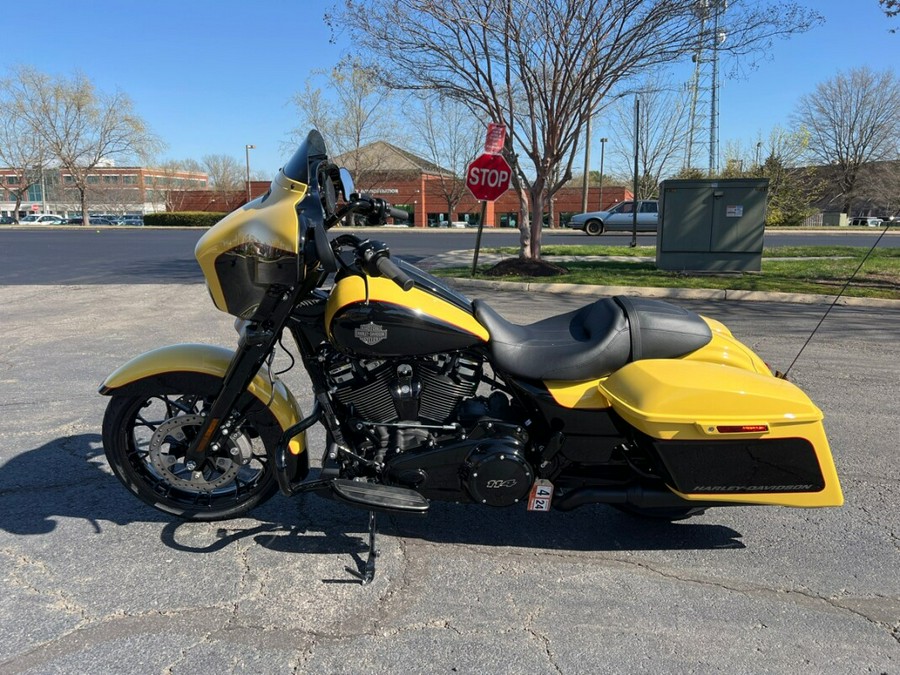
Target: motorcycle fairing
x=207, y=360
x=746, y=424
x=254, y=247
x=375, y=317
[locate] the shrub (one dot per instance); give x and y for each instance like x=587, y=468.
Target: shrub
x=183, y=219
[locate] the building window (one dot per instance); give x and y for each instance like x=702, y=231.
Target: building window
x=93, y=180
x=68, y=179
x=12, y=180
x=111, y=179
x=129, y=180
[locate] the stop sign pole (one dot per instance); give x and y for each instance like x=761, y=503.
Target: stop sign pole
x=487, y=177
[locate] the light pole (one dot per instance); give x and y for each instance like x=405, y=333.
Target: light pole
x=758, y=146
x=587, y=167
x=602, y=149
x=634, y=199
x=247, y=149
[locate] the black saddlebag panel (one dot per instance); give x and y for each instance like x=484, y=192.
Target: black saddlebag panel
x=742, y=466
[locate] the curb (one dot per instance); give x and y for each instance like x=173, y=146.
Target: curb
x=676, y=293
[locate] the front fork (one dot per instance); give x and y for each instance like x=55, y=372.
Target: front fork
x=255, y=345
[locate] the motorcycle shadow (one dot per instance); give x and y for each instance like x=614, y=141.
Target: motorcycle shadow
x=590, y=528
x=65, y=478
x=68, y=478
x=322, y=526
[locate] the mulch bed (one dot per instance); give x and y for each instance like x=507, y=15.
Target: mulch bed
x=520, y=267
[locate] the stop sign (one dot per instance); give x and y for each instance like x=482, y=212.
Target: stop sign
x=488, y=177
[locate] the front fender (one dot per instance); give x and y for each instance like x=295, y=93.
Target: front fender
x=135, y=376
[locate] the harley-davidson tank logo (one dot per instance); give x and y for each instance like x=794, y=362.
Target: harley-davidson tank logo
x=370, y=333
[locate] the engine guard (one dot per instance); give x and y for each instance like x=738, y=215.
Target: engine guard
x=142, y=370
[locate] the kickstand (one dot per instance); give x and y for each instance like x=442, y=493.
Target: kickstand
x=368, y=572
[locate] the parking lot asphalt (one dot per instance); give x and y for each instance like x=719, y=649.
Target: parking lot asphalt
x=94, y=581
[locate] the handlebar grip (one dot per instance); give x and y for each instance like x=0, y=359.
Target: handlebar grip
x=398, y=214
x=388, y=269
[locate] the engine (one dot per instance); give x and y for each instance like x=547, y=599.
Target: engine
x=420, y=417
x=427, y=389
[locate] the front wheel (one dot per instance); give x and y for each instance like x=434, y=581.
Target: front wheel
x=593, y=227
x=146, y=436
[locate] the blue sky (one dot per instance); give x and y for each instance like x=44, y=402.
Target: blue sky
x=212, y=76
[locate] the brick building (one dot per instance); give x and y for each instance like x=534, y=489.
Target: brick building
x=419, y=186
x=111, y=189
x=426, y=190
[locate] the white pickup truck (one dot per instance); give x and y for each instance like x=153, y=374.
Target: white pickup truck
x=619, y=218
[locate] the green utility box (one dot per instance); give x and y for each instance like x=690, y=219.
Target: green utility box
x=712, y=225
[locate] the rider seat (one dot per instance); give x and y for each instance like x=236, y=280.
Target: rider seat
x=593, y=341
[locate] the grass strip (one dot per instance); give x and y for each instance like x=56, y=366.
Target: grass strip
x=787, y=269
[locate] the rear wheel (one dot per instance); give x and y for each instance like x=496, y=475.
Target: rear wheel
x=146, y=436
x=593, y=227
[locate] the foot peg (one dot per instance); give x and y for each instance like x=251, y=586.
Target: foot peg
x=376, y=497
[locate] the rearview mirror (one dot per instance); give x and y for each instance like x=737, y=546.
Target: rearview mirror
x=346, y=184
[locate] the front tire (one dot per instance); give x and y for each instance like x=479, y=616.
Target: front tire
x=145, y=437
x=593, y=227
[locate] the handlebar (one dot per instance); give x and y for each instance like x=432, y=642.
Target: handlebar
x=397, y=214
x=389, y=269
x=375, y=258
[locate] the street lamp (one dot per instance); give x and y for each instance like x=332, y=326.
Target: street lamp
x=247, y=149
x=587, y=167
x=602, y=149
x=758, y=146
x=634, y=202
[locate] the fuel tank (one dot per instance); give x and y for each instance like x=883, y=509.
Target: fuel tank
x=374, y=317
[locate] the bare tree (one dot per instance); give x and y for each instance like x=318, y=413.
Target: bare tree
x=354, y=114
x=450, y=137
x=79, y=126
x=166, y=182
x=891, y=8
x=662, y=129
x=226, y=174
x=542, y=66
x=21, y=151
x=852, y=119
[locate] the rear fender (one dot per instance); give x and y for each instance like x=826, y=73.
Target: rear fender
x=145, y=372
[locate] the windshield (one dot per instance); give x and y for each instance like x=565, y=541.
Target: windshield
x=308, y=155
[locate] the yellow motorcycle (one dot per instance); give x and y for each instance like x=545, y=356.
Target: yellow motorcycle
x=425, y=395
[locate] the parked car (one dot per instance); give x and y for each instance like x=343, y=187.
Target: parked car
x=867, y=221
x=134, y=221
x=94, y=220
x=7, y=220
x=42, y=219
x=618, y=218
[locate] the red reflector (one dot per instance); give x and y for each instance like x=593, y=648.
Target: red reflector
x=743, y=429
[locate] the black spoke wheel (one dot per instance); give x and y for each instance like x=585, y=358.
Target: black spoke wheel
x=146, y=436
